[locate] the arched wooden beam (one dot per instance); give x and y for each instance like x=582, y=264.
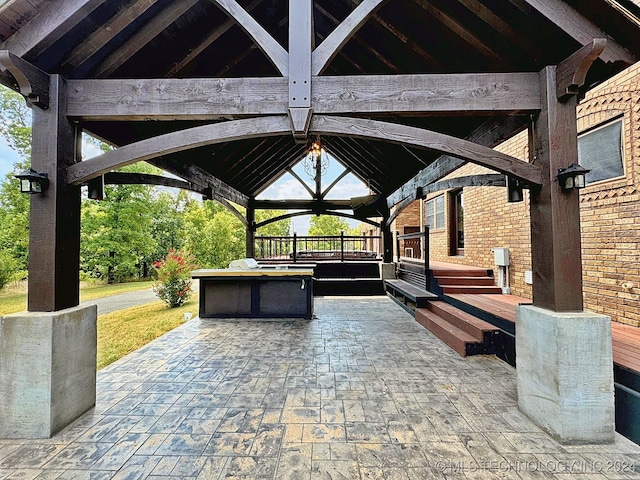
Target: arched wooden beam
x=331, y=45
x=416, y=137
x=311, y=212
x=490, y=180
x=127, y=178
x=325, y=125
x=177, y=142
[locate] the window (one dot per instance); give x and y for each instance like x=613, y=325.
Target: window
x=600, y=150
x=435, y=212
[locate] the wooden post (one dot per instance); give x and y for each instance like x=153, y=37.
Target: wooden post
x=54, y=235
x=426, y=256
x=342, y=246
x=387, y=239
x=398, y=245
x=251, y=232
x=555, y=214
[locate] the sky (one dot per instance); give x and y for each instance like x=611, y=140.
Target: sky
x=287, y=187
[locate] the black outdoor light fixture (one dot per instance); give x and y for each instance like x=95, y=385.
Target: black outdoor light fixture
x=572, y=177
x=32, y=182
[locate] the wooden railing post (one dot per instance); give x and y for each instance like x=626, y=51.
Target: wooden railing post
x=342, y=246
x=426, y=257
x=398, y=245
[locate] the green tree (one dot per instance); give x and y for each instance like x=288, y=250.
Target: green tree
x=15, y=127
x=281, y=228
x=213, y=235
x=116, y=233
x=326, y=225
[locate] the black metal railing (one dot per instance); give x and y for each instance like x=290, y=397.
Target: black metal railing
x=313, y=248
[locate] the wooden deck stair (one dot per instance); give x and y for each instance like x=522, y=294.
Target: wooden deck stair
x=465, y=280
x=463, y=332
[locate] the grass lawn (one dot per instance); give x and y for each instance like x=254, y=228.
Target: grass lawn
x=14, y=299
x=124, y=331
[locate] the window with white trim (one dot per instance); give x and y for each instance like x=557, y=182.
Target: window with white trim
x=434, y=209
x=601, y=151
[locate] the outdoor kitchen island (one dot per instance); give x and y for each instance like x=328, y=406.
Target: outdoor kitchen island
x=256, y=292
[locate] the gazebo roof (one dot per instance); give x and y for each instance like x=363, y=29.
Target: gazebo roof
x=156, y=39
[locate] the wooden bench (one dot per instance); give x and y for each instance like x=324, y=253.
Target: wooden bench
x=409, y=288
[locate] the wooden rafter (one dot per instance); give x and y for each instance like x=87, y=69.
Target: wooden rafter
x=193, y=53
x=328, y=49
x=460, y=31
x=100, y=37
x=51, y=24
x=580, y=29
x=142, y=37
x=271, y=48
x=361, y=42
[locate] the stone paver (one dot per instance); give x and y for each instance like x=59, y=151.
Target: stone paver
x=360, y=392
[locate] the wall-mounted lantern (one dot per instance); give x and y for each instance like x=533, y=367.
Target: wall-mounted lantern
x=32, y=182
x=514, y=190
x=572, y=177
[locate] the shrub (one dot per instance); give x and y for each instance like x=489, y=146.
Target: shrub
x=174, y=281
x=9, y=269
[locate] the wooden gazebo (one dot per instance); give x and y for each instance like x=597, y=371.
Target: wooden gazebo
x=227, y=94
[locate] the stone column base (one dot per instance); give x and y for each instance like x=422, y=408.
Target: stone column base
x=47, y=370
x=564, y=366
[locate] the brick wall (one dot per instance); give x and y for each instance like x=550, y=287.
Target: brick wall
x=610, y=213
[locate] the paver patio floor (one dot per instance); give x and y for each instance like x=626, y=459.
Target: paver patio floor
x=360, y=392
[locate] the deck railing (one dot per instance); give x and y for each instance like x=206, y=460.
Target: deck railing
x=421, y=239
x=313, y=248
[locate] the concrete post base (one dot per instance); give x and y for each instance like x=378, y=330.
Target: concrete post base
x=564, y=367
x=388, y=271
x=47, y=370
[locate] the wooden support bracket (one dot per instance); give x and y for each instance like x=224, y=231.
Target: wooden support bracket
x=571, y=73
x=300, y=119
x=31, y=82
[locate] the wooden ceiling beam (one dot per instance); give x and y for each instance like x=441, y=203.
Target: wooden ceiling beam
x=489, y=134
x=301, y=204
x=488, y=180
x=199, y=176
x=103, y=35
x=142, y=37
x=271, y=48
x=51, y=24
x=331, y=45
x=216, y=98
x=580, y=28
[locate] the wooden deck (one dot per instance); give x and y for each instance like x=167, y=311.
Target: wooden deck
x=500, y=305
x=626, y=346
x=626, y=338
